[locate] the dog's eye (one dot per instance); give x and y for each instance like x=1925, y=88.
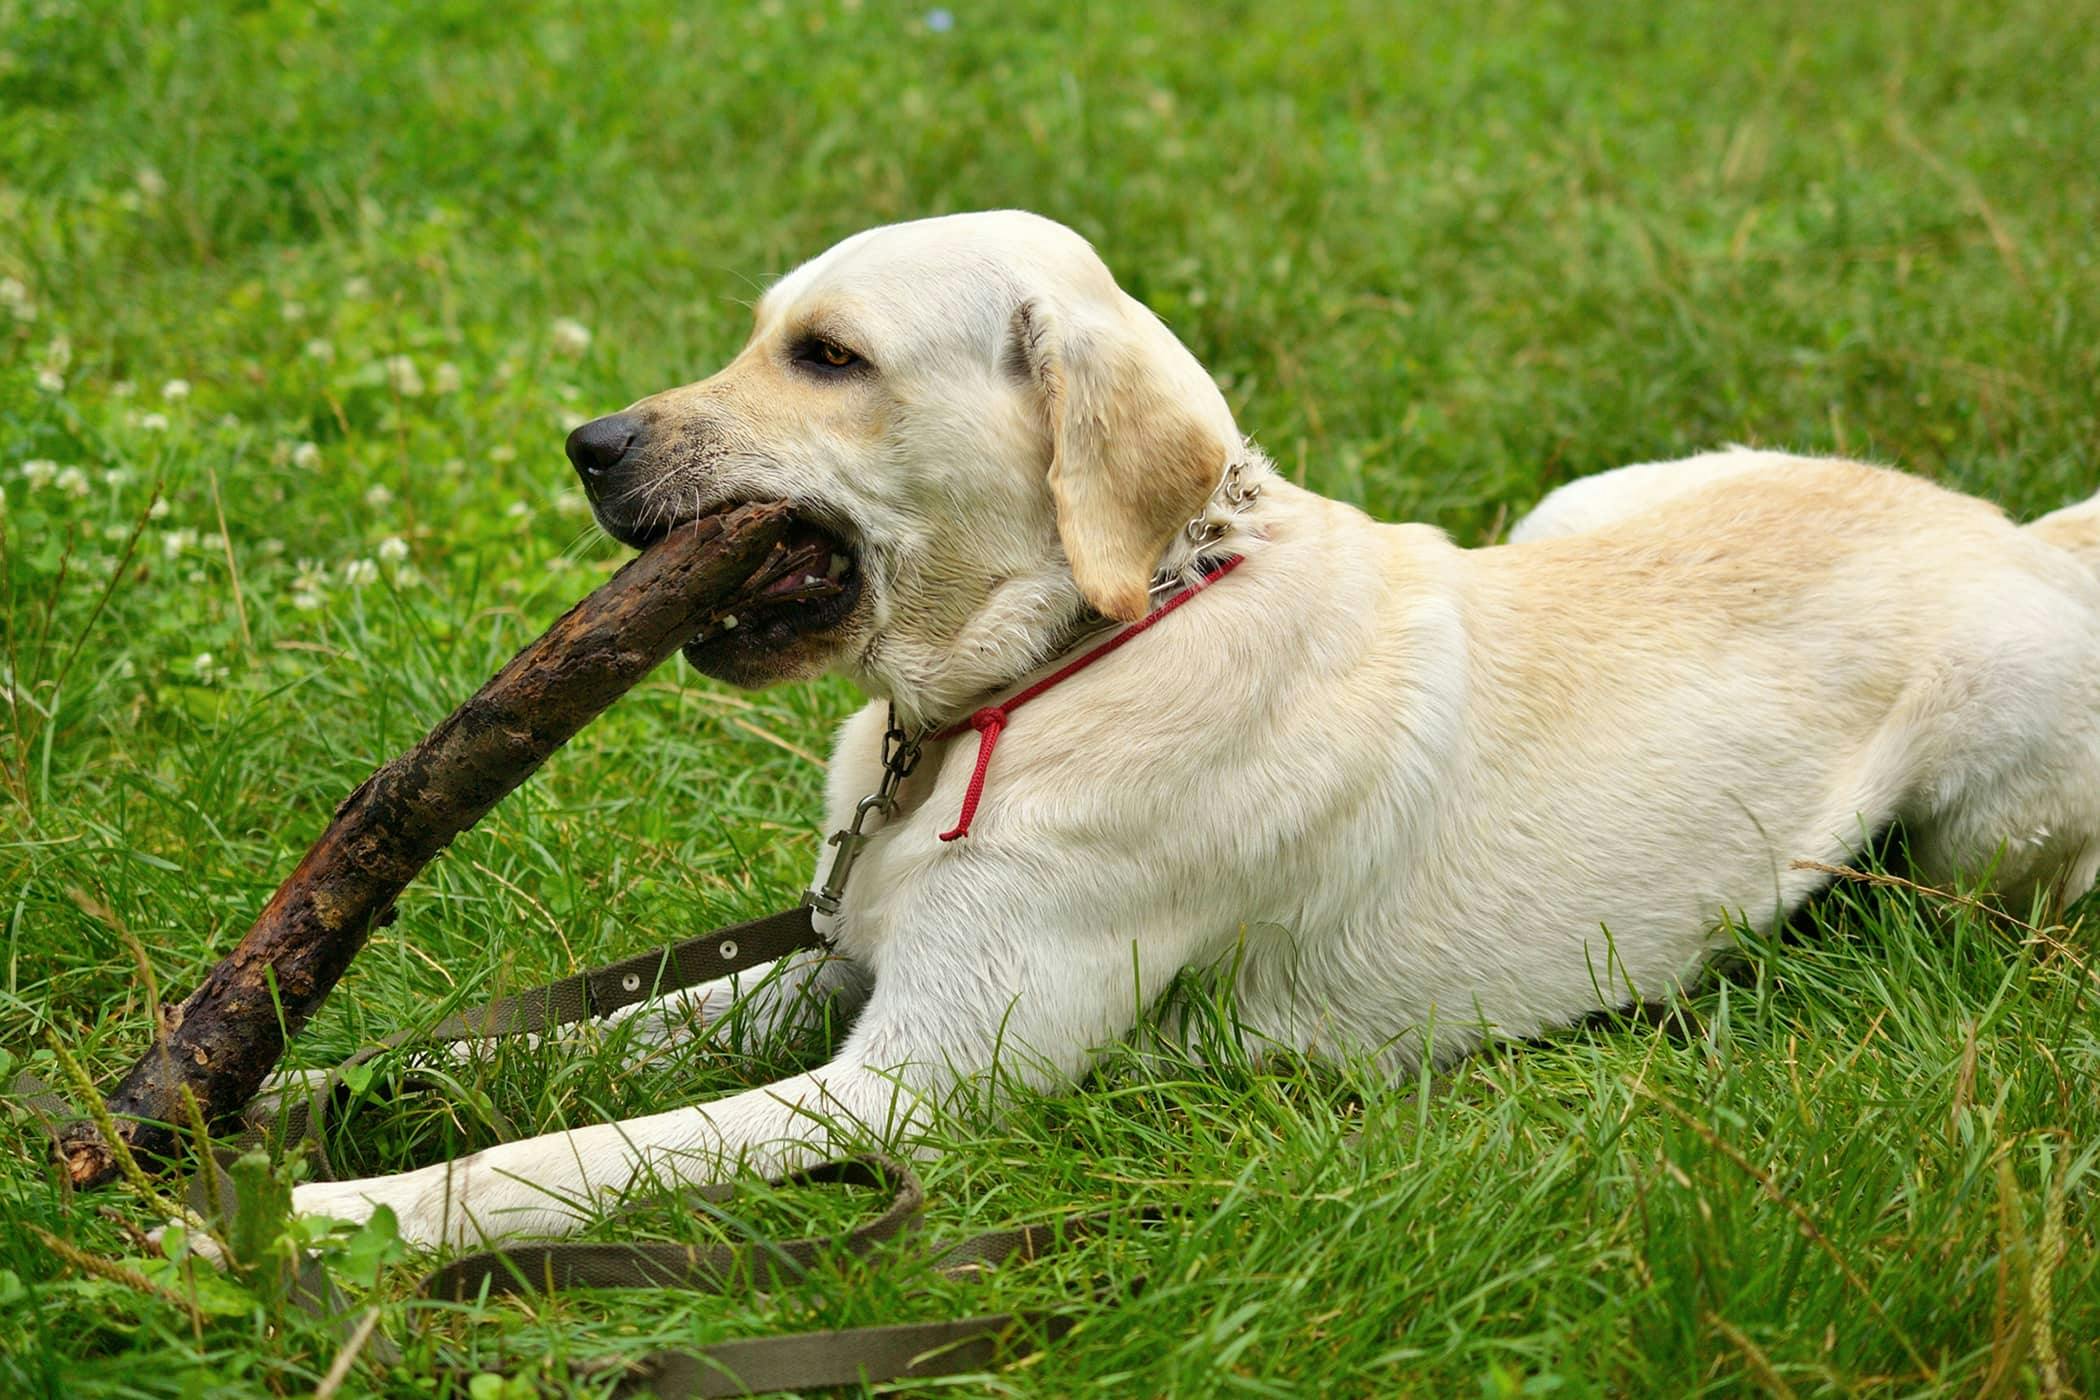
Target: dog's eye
x=826, y=354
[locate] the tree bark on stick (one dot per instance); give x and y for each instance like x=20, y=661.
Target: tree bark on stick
x=223, y=1041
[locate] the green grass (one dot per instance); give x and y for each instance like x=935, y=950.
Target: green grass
x=1442, y=257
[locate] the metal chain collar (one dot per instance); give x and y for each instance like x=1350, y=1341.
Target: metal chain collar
x=900, y=754
x=1239, y=493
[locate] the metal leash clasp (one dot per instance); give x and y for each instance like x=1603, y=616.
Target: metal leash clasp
x=900, y=754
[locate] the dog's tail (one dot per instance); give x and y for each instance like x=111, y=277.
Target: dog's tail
x=2074, y=529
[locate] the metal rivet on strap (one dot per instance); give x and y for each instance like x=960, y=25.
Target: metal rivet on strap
x=632, y=982
x=728, y=950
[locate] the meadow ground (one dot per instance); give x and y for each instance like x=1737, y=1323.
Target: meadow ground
x=331, y=279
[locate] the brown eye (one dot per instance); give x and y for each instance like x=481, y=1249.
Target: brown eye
x=827, y=354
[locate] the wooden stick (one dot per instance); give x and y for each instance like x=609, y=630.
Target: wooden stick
x=223, y=1041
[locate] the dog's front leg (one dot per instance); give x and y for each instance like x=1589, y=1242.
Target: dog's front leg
x=551, y=1184
x=962, y=996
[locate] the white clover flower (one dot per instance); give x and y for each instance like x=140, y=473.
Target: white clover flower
x=519, y=510
x=13, y=295
x=453, y=466
x=116, y=534
x=571, y=336
x=58, y=355
x=319, y=349
x=306, y=456
x=173, y=543
x=360, y=572
x=378, y=496
x=293, y=312
x=154, y=422
x=271, y=548
x=570, y=422
x=74, y=482
x=151, y=182
x=503, y=452
x=39, y=472
x=116, y=477
x=572, y=503
x=401, y=374
x=407, y=576
x=357, y=288
x=445, y=378
x=310, y=576
x=175, y=390
x=306, y=600
x=50, y=381
x=123, y=389
x=392, y=550
x=212, y=544
x=158, y=510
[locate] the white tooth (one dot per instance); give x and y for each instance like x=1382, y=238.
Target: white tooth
x=839, y=564
x=809, y=578
x=729, y=622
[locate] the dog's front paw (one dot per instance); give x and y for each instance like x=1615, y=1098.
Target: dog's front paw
x=161, y=1240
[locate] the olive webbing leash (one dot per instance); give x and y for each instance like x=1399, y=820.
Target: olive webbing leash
x=752, y=1365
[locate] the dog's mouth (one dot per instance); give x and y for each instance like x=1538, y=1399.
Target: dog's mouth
x=808, y=585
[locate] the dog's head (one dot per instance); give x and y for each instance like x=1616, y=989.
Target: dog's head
x=981, y=433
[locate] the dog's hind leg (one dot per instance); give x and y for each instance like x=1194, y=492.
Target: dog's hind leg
x=2075, y=529
x=1593, y=502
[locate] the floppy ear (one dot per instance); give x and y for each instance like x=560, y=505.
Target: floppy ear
x=1136, y=446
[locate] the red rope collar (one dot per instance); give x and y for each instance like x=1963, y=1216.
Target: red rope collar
x=989, y=721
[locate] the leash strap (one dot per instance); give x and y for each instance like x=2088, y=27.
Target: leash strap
x=290, y=1117
x=754, y=1365
x=796, y=1360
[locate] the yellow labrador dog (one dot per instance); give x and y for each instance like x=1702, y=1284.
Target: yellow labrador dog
x=1393, y=784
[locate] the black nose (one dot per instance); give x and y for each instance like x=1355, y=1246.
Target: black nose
x=597, y=447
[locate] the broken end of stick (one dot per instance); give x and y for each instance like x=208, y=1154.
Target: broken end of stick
x=87, y=1160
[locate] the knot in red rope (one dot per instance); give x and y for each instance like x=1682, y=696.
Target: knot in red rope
x=987, y=722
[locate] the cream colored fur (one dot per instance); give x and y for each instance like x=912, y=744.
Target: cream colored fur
x=1417, y=795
